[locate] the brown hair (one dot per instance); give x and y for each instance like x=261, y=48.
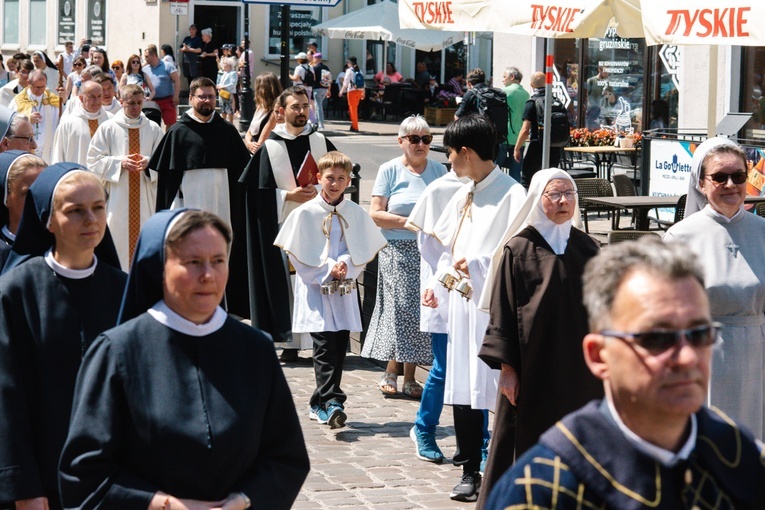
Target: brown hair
x=295, y=90
x=198, y=83
x=734, y=150
x=191, y=221
x=131, y=89
x=129, y=63
x=267, y=90
x=152, y=50
x=334, y=159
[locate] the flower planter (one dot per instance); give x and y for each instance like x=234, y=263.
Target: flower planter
x=439, y=116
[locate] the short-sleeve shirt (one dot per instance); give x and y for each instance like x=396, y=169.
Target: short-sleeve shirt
x=530, y=114
x=160, y=78
x=403, y=188
x=192, y=42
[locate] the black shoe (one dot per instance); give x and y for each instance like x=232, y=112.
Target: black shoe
x=289, y=355
x=355, y=130
x=467, y=489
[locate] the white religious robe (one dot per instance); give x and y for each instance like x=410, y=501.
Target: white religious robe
x=113, y=108
x=73, y=135
x=495, y=203
x=7, y=92
x=44, y=131
x=204, y=188
x=353, y=238
x=106, y=151
x=422, y=220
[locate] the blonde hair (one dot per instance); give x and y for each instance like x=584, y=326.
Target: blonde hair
x=20, y=167
x=72, y=179
x=334, y=159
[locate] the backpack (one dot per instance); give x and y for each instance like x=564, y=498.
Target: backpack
x=492, y=104
x=358, y=80
x=560, y=129
x=325, y=78
x=310, y=78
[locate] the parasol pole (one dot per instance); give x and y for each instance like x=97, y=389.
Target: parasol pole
x=549, y=62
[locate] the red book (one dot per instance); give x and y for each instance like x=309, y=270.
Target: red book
x=308, y=173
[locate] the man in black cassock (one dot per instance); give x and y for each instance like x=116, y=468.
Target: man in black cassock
x=651, y=443
x=199, y=162
x=271, y=194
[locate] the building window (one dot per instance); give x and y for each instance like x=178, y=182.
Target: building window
x=37, y=24
x=301, y=21
x=613, y=82
x=752, y=87
x=10, y=21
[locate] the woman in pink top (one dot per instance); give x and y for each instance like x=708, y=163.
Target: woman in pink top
x=389, y=76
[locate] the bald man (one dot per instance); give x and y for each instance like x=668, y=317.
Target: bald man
x=77, y=129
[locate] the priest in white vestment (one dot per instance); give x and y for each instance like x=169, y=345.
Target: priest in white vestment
x=76, y=130
x=109, y=101
x=471, y=228
x=41, y=107
x=119, y=153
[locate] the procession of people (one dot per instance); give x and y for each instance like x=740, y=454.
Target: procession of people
x=149, y=277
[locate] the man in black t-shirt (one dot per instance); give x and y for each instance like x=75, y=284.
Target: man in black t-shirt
x=191, y=48
x=532, y=160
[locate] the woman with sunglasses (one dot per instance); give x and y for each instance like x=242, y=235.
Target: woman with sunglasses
x=119, y=69
x=537, y=321
x=134, y=75
x=394, y=331
x=73, y=79
x=730, y=243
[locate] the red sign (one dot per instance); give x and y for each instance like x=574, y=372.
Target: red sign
x=553, y=18
x=729, y=22
x=433, y=12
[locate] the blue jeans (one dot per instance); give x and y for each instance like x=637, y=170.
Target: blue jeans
x=432, y=402
x=319, y=95
x=505, y=159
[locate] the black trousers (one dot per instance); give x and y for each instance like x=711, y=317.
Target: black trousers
x=532, y=161
x=329, y=348
x=468, y=429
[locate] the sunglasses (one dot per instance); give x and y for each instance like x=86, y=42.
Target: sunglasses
x=722, y=177
x=116, y=68
x=135, y=62
x=78, y=65
x=415, y=139
x=658, y=341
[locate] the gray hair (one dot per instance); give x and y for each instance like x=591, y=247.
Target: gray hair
x=36, y=75
x=93, y=70
x=16, y=122
x=515, y=73
x=207, y=31
x=413, y=124
x=604, y=274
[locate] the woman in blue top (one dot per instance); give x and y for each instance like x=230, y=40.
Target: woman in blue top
x=394, y=331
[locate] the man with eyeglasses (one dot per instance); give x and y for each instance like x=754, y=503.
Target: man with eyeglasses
x=76, y=130
x=119, y=153
x=272, y=193
x=42, y=107
x=20, y=134
x=198, y=162
x=651, y=443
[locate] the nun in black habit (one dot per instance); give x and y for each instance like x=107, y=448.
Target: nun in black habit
x=61, y=287
x=18, y=170
x=181, y=404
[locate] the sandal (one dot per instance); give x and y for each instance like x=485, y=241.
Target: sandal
x=388, y=384
x=412, y=389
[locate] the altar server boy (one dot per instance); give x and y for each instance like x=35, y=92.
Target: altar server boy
x=329, y=240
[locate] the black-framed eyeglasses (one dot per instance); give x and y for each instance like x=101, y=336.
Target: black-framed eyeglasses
x=657, y=341
x=722, y=177
x=206, y=97
x=415, y=139
x=29, y=139
x=555, y=196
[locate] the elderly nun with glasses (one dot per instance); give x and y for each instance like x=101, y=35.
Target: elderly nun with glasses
x=729, y=242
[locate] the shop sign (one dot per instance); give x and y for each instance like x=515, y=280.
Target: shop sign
x=97, y=22
x=66, y=9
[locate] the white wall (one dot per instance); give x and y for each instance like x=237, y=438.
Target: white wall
x=518, y=51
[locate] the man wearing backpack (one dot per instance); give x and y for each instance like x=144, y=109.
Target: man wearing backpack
x=516, y=101
x=305, y=76
x=321, y=88
x=486, y=101
x=532, y=160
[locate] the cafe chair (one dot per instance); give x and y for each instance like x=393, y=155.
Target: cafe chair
x=679, y=214
x=759, y=209
x=619, y=236
x=594, y=187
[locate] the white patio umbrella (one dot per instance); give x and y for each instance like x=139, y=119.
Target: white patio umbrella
x=677, y=22
x=380, y=22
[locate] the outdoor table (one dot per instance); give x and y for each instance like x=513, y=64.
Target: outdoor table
x=604, y=156
x=643, y=204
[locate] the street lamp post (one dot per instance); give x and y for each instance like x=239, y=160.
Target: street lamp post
x=248, y=104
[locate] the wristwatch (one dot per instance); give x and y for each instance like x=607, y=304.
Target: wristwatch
x=247, y=502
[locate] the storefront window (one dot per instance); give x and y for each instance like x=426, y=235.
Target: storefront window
x=566, y=77
x=11, y=22
x=663, y=87
x=301, y=21
x=753, y=90
x=613, y=82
